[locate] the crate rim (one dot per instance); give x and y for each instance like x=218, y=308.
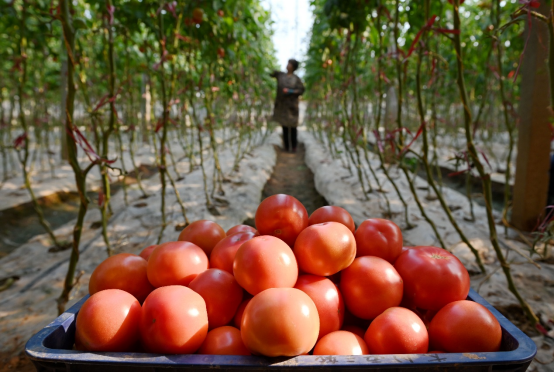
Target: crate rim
x=36, y=350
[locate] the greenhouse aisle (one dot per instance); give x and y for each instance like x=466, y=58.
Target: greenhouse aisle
x=291, y=176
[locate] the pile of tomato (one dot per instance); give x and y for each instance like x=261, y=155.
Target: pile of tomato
x=295, y=285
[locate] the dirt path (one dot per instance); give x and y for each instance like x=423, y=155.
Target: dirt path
x=292, y=176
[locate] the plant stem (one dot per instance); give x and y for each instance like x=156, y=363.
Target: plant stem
x=487, y=190
x=80, y=174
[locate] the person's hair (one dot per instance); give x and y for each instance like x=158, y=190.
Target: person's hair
x=294, y=64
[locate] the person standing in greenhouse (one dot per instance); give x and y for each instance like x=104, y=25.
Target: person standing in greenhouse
x=289, y=88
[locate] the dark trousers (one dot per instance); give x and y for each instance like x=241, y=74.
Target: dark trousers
x=289, y=138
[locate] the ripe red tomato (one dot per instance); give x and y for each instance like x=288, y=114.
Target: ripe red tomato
x=122, y=271
x=354, y=329
x=109, y=321
x=237, y=320
x=379, y=237
x=221, y=52
x=332, y=213
x=325, y=249
x=465, y=326
x=242, y=228
x=223, y=254
x=176, y=263
x=341, y=343
x=225, y=340
x=265, y=262
x=397, y=331
x=147, y=252
x=280, y=322
x=432, y=277
x=203, y=233
x=369, y=286
x=220, y=13
x=222, y=295
x=328, y=301
x=281, y=216
x=174, y=321
x=197, y=15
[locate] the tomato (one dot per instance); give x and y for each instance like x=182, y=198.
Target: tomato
x=325, y=249
x=265, y=262
x=327, y=299
x=223, y=254
x=220, y=13
x=203, y=233
x=241, y=228
x=147, y=252
x=222, y=295
x=354, y=329
x=379, y=237
x=221, y=52
x=369, y=286
x=281, y=216
x=225, y=340
x=397, y=331
x=122, y=271
x=176, y=263
x=280, y=322
x=432, y=277
x=341, y=343
x=174, y=321
x=465, y=326
x=237, y=320
x=332, y=213
x=197, y=15
x=109, y=321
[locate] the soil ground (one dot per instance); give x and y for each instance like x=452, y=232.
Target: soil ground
x=291, y=176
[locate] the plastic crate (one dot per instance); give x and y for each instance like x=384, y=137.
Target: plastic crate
x=51, y=350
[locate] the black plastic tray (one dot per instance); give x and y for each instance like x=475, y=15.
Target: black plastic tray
x=51, y=350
